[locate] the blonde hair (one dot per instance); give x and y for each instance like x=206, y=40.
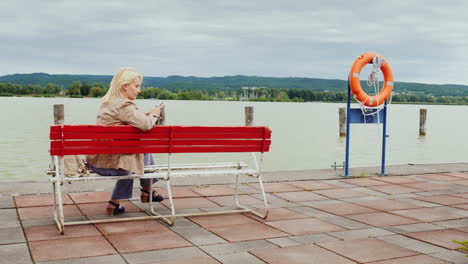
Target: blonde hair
x=122, y=77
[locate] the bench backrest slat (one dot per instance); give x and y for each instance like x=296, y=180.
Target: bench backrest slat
x=94, y=139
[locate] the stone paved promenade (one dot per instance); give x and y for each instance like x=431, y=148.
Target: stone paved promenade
x=380, y=220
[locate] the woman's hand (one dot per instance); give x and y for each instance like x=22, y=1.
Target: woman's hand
x=155, y=111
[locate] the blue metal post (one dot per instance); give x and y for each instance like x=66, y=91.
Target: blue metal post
x=348, y=118
x=384, y=138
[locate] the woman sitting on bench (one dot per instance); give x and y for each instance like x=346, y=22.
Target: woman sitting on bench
x=118, y=108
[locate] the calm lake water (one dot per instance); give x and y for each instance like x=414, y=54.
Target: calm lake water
x=305, y=135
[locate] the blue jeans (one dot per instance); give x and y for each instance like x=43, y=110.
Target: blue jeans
x=123, y=188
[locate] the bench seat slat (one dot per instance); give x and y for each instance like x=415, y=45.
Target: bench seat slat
x=90, y=150
x=154, y=135
x=162, y=142
x=160, y=129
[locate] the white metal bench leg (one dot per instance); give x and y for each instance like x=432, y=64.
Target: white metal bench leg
x=236, y=198
x=165, y=217
x=57, y=195
x=60, y=207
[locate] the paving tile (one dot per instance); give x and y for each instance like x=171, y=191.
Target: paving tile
x=245, y=188
x=463, y=182
x=126, y=215
x=91, y=209
x=15, y=254
x=90, y=197
x=131, y=227
x=312, y=239
x=227, y=201
x=443, y=199
x=70, y=248
x=307, y=254
x=207, y=221
x=382, y=219
x=44, y=222
x=361, y=233
x=421, y=259
x=443, y=238
x=50, y=232
x=364, y=182
x=6, y=202
x=417, y=203
x=412, y=244
x=135, y=242
x=344, y=208
x=245, y=232
x=330, y=218
x=114, y=259
x=433, y=193
x=214, y=190
x=456, y=211
x=274, y=201
x=397, y=180
x=457, y=174
x=313, y=185
x=39, y=200
x=427, y=186
x=9, y=218
x=235, y=258
x=428, y=214
x=393, y=189
x=185, y=203
x=11, y=235
x=401, y=229
x=284, y=242
x=440, y=177
x=451, y=256
x=277, y=187
x=463, y=229
x=453, y=223
x=199, y=236
x=163, y=255
x=276, y=214
x=304, y=226
x=301, y=196
x=194, y=260
x=367, y=249
x=369, y=192
x=340, y=193
x=462, y=195
x=387, y=205
x=344, y=222
x=42, y=212
x=229, y=248
x=179, y=192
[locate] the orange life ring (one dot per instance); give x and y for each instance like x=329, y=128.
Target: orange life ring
x=355, y=83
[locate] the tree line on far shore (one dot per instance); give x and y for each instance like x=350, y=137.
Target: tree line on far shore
x=81, y=89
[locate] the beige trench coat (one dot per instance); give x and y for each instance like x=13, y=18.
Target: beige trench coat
x=122, y=111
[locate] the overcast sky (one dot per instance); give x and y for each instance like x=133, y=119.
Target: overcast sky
x=424, y=41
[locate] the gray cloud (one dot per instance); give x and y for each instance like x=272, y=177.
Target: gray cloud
x=424, y=42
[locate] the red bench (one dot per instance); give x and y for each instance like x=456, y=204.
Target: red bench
x=94, y=139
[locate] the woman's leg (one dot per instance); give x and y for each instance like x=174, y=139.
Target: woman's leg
x=147, y=183
x=122, y=188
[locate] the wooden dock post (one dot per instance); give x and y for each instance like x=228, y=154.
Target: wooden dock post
x=422, y=121
x=162, y=117
x=248, y=115
x=59, y=114
x=342, y=120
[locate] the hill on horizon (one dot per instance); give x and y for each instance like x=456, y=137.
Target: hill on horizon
x=231, y=82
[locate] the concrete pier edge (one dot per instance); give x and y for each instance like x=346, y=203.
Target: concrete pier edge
x=44, y=187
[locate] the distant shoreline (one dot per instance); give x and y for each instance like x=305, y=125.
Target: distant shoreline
x=90, y=97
